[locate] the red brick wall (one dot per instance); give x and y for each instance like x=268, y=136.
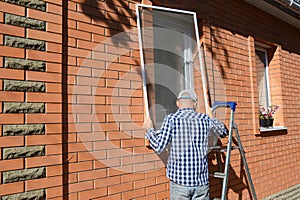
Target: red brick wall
x=92, y=139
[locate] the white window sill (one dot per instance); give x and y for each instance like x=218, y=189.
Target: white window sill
x=275, y=128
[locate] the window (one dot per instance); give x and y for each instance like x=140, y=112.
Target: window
x=262, y=70
x=169, y=52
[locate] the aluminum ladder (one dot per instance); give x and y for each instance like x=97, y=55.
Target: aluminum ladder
x=217, y=149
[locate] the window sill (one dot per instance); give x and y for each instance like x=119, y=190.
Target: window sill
x=272, y=131
x=275, y=128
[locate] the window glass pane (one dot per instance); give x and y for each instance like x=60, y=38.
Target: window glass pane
x=261, y=70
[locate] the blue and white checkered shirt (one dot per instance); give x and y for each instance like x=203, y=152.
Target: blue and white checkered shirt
x=187, y=131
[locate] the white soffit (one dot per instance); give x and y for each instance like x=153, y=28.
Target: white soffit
x=275, y=12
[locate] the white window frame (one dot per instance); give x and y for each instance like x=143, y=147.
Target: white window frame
x=188, y=70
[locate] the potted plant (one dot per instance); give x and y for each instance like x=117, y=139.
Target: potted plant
x=266, y=115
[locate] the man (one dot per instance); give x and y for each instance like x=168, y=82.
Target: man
x=187, y=133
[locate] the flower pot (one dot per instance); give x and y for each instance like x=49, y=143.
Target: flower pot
x=266, y=122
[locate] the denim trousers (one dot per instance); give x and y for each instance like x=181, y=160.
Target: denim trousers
x=181, y=192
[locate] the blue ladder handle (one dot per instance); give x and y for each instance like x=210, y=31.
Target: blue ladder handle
x=230, y=104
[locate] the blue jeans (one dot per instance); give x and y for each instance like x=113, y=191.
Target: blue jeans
x=181, y=192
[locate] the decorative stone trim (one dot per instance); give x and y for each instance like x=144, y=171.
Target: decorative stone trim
x=15, y=107
x=24, y=86
x=23, y=175
x=35, y=4
x=25, y=43
x=31, y=195
x=28, y=129
x=25, y=64
x=23, y=152
x=24, y=22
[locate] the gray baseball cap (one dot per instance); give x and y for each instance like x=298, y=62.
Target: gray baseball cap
x=187, y=94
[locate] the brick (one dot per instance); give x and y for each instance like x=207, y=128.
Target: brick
x=43, y=161
x=11, y=118
x=44, y=97
x=12, y=30
x=11, y=74
x=54, y=47
x=11, y=141
x=43, y=183
x=10, y=8
x=54, y=171
x=12, y=52
x=56, y=9
x=43, y=139
x=45, y=56
x=53, y=108
x=40, y=76
x=43, y=118
x=54, y=67
x=54, y=28
x=45, y=36
x=54, y=149
x=11, y=96
x=14, y=164
x=11, y=188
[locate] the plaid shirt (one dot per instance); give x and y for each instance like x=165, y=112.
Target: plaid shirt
x=187, y=131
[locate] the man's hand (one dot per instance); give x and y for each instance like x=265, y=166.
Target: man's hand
x=209, y=112
x=147, y=124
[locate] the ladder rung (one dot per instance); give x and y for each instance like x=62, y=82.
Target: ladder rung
x=222, y=148
x=218, y=175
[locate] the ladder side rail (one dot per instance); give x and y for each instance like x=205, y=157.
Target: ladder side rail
x=245, y=164
x=228, y=153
